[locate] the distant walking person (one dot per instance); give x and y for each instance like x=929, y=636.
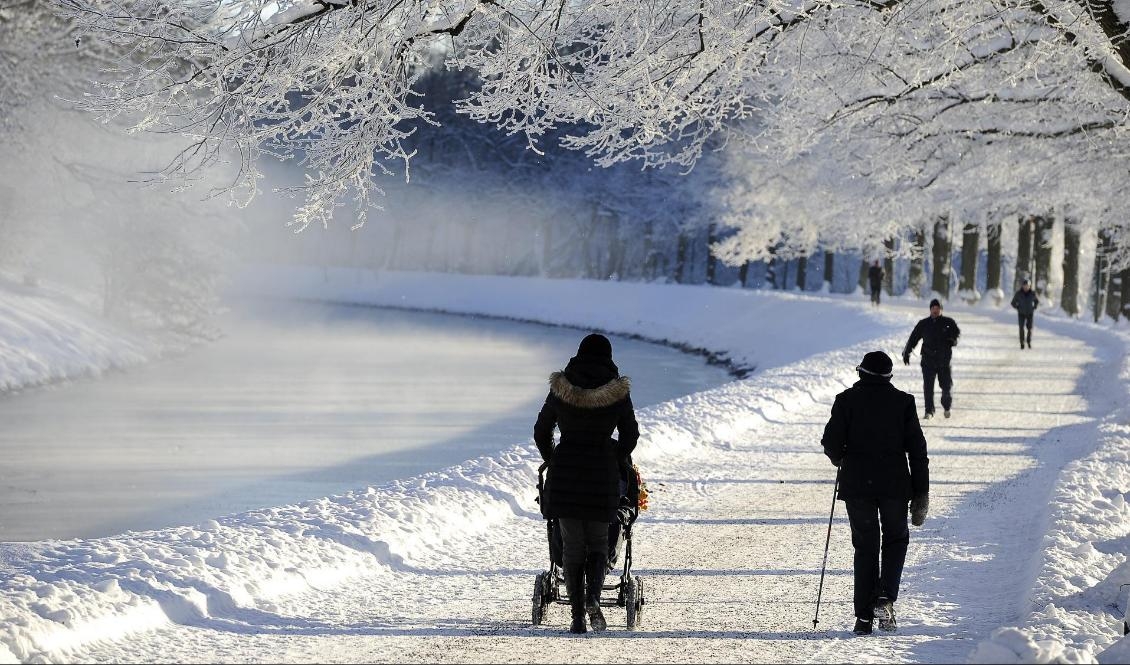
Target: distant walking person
x=874, y=438
x=587, y=401
x=1025, y=303
x=939, y=335
x=875, y=277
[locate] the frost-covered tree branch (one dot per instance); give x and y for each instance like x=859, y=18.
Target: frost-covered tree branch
x=330, y=83
x=913, y=97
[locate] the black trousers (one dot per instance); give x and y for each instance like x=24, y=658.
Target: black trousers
x=945, y=380
x=880, y=535
x=876, y=291
x=1025, y=321
x=579, y=537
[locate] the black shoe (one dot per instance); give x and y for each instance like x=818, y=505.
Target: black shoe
x=596, y=617
x=928, y=415
x=575, y=588
x=595, y=567
x=885, y=615
x=862, y=627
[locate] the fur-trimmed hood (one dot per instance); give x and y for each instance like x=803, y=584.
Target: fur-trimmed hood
x=589, y=398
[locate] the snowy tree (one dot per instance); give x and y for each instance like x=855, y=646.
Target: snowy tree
x=961, y=102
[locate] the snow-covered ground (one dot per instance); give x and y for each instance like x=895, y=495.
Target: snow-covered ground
x=1020, y=560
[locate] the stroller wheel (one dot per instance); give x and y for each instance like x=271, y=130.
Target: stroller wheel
x=540, y=600
x=633, y=602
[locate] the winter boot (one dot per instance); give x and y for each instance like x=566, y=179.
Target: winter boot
x=595, y=567
x=885, y=615
x=862, y=627
x=575, y=588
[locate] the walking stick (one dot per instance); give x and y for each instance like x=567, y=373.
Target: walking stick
x=827, y=542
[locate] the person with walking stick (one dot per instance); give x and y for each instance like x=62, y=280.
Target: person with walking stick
x=875, y=440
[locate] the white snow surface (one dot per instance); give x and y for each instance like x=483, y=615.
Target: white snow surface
x=1020, y=560
x=47, y=337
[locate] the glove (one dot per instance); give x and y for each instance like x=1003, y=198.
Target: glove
x=919, y=506
x=906, y=358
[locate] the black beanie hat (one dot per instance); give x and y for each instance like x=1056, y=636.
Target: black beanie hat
x=876, y=363
x=596, y=346
x=936, y=303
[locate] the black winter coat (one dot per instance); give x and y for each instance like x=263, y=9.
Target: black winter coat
x=939, y=336
x=587, y=402
x=875, y=277
x=875, y=439
x=1025, y=302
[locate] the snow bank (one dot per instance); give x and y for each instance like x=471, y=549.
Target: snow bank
x=46, y=337
x=1075, y=605
x=63, y=594
x=746, y=328
x=59, y=595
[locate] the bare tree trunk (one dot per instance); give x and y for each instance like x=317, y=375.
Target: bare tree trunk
x=1023, y=253
x=1069, y=297
x=829, y=269
x=1102, y=268
x=940, y=281
x=970, y=251
x=802, y=272
x=743, y=273
x=889, y=266
x=681, y=257
x=1114, y=294
x=864, y=265
x=1125, y=274
x=1042, y=242
x=711, y=260
x=993, y=262
x=916, y=276
x=771, y=272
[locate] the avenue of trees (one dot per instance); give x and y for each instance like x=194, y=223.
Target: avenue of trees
x=989, y=135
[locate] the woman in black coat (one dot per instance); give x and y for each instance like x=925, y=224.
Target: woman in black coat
x=587, y=401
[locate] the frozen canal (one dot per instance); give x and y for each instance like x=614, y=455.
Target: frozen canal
x=290, y=405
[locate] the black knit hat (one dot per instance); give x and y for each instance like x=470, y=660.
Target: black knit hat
x=936, y=303
x=596, y=346
x=876, y=363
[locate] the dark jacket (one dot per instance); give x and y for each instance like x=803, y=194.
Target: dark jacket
x=875, y=439
x=875, y=277
x=939, y=336
x=586, y=401
x=1025, y=302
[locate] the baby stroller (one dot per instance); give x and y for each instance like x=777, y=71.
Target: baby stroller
x=548, y=585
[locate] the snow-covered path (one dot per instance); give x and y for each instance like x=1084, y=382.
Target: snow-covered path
x=730, y=551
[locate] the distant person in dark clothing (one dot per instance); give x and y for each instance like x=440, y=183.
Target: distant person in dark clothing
x=587, y=401
x=1025, y=303
x=874, y=438
x=939, y=335
x=875, y=277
